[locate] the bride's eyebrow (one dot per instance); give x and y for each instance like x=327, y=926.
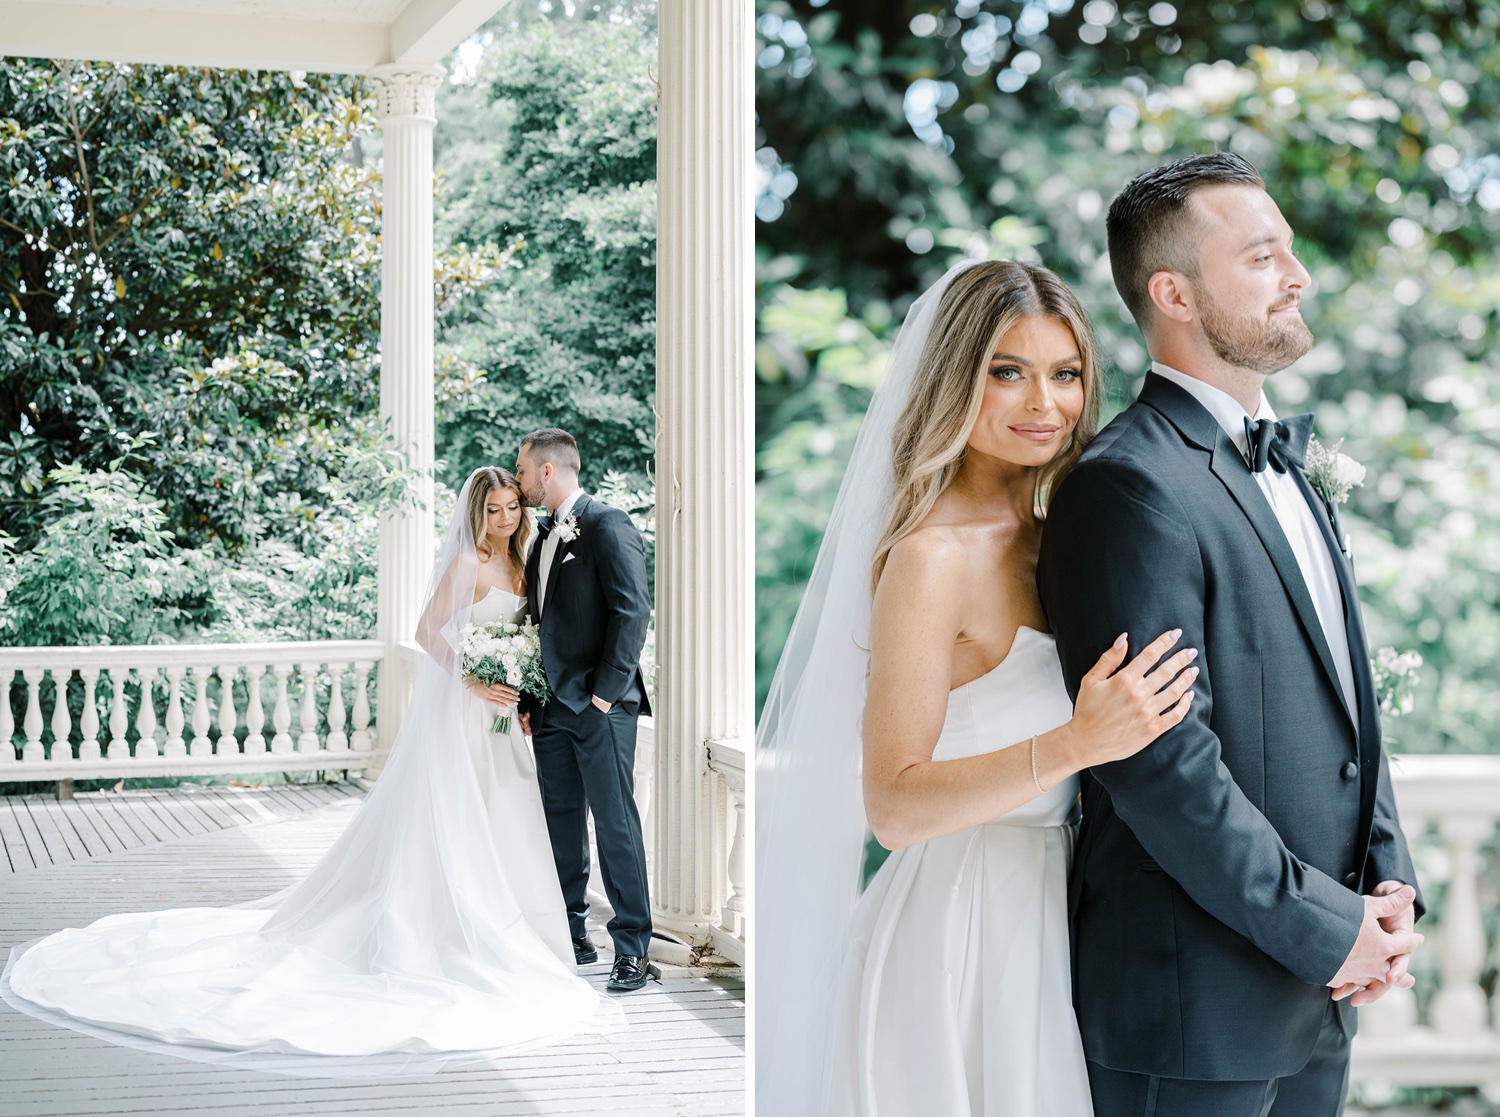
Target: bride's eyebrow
x=1013, y=359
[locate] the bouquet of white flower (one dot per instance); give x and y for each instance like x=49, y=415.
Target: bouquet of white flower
x=509, y=653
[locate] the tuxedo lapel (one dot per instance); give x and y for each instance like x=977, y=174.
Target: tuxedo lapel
x=533, y=573
x=1359, y=655
x=1228, y=465
x=564, y=547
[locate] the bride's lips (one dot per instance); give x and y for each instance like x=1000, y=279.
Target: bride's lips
x=1037, y=432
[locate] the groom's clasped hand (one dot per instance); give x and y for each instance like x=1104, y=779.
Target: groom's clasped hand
x=1382, y=952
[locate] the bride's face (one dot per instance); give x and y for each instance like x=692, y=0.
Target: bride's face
x=1033, y=394
x=502, y=514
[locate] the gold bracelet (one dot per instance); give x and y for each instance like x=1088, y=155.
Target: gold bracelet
x=1034, y=778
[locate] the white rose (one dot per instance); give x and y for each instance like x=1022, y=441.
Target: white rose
x=1347, y=471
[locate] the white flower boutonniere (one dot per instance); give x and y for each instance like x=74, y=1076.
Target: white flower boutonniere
x=567, y=529
x=1331, y=473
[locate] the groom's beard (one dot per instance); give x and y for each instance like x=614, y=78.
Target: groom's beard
x=1263, y=346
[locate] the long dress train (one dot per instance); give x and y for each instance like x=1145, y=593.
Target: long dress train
x=431, y=933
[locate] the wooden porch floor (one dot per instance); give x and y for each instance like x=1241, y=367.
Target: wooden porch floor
x=66, y=864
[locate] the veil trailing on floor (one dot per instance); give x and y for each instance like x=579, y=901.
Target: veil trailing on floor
x=407, y=948
x=810, y=820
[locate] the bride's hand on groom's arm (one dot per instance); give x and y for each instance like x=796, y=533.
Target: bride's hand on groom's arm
x=1381, y=954
x=1123, y=707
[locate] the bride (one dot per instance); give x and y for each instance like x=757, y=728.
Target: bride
x=945, y=987
x=431, y=933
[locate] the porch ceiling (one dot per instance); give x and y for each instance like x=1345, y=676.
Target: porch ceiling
x=341, y=36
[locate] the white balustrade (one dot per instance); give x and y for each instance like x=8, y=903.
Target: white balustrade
x=727, y=758
x=88, y=725
x=1450, y=809
x=120, y=699
x=145, y=718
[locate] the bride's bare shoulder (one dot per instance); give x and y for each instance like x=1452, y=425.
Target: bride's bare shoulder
x=930, y=558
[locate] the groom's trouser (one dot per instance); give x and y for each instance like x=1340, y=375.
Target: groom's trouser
x=1317, y=1090
x=585, y=762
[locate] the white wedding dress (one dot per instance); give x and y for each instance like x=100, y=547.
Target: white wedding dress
x=431, y=933
x=956, y=994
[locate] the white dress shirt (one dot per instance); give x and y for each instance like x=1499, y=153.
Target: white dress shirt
x=1298, y=520
x=549, y=549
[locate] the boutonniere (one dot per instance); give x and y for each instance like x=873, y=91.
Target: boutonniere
x=1332, y=474
x=567, y=529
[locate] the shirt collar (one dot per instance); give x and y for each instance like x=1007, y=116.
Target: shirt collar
x=562, y=510
x=1225, y=409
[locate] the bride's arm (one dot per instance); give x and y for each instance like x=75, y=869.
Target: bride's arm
x=915, y=623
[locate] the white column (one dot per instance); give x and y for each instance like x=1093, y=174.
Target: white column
x=407, y=96
x=704, y=354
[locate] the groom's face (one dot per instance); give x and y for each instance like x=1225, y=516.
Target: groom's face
x=1250, y=282
x=529, y=475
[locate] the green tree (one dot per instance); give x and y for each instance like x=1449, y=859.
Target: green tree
x=550, y=150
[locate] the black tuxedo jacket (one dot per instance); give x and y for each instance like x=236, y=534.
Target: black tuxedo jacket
x=1217, y=878
x=598, y=604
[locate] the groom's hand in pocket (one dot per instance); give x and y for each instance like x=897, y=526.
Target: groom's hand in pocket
x=1382, y=952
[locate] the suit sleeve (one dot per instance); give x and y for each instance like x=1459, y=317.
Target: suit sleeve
x=1119, y=555
x=620, y=559
x=1389, y=858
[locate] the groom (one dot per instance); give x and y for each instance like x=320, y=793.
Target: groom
x=586, y=586
x=1240, y=878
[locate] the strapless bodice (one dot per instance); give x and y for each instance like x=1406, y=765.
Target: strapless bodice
x=498, y=605
x=1023, y=695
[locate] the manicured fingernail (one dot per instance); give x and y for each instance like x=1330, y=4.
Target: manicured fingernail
x=1192, y=672
x=1120, y=639
x=1192, y=655
x=1176, y=632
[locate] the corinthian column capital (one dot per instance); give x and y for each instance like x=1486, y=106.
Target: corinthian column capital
x=407, y=91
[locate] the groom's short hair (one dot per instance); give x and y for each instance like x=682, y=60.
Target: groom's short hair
x=1151, y=226
x=555, y=445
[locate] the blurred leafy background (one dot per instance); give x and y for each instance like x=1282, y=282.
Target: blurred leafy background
x=896, y=138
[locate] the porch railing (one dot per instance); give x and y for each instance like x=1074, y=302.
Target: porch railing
x=212, y=708
x=1450, y=810
x=727, y=759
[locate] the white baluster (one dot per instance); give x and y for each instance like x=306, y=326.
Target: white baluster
x=34, y=749
x=255, y=714
x=281, y=716
x=1459, y=1007
x=145, y=716
x=201, y=745
x=228, y=716
x=307, y=740
x=88, y=724
x=337, y=739
x=175, y=744
x=7, y=717
x=119, y=720
x=738, y=904
x=360, y=740
x=62, y=717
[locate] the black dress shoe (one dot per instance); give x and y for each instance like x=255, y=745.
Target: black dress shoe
x=584, y=952
x=630, y=973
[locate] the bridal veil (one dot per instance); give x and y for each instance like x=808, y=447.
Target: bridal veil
x=810, y=820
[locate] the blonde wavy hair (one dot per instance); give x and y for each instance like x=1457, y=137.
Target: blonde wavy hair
x=981, y=305
x=488, y=478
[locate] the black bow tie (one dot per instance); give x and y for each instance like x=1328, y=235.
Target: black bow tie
x=1278, y=442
